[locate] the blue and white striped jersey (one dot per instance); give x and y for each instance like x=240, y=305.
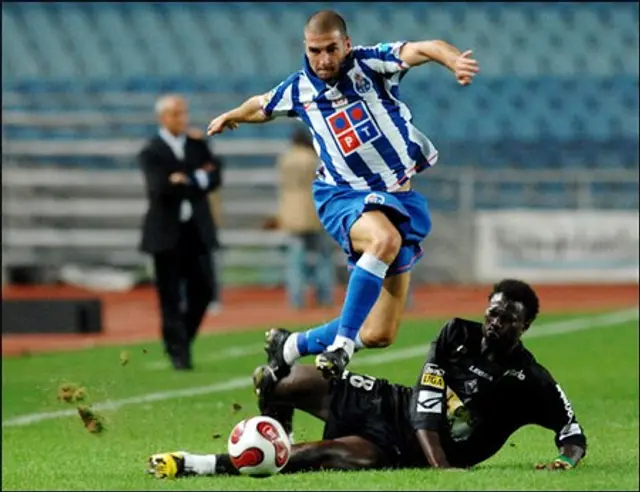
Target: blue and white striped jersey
x=362, y=131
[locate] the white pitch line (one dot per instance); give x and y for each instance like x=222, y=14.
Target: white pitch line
x=230, y=353
x=543, y=330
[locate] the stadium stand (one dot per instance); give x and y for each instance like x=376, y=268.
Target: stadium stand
x=552, y=122
x=541, y=100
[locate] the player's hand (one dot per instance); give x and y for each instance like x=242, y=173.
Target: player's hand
x=195, y=133
x=219, y=124
x=178, y=178
x=465, y=68
x=557, y=464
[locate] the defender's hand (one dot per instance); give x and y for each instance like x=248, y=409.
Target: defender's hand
x=219, y=124
x=178, y=178
x=557, y=464
x=465, y=68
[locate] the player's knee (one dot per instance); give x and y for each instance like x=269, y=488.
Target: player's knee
x=378, y=339
x=385, y=245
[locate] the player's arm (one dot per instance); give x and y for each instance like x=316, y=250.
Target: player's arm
x=249, y=111
x=462, y=65
x=259, y=109
x=428, y=407
x=554, y=411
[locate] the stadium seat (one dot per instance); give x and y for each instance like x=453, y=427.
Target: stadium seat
x=128, y=57
x=558, y=85
x=92, y=55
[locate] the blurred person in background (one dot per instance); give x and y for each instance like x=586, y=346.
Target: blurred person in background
x=297, y=216
x=178, y=229
x=215, y=204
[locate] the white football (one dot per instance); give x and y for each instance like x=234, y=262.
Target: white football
x=259, y=446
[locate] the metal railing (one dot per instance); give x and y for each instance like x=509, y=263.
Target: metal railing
x=58, y=216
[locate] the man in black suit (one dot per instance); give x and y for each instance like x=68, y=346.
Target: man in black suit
x=178, y=229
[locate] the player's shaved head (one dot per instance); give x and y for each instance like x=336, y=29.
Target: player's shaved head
x=325, y=22
x=326, y=43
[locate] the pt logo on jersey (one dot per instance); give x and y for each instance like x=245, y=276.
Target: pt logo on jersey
x=353, y=127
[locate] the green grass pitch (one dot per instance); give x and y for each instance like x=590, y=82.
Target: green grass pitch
x=597, y=367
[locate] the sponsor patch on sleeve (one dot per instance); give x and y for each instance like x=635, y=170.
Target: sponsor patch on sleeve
x=429, y=402
x=433, y=380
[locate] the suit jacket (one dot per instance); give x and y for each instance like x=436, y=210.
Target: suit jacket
x=161, y=225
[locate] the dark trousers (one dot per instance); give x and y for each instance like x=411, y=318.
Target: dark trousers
x=184, y=282
x=215, y=276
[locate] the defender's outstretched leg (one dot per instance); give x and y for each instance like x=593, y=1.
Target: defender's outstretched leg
x=345, y=453
x=302, y=389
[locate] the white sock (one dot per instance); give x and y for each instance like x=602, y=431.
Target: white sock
x=200, y=464
x=373, y=265
x=290, y=350
x=359, y=343
x=343, y=342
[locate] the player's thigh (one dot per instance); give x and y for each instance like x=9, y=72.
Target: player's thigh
x=373, y=226
x=305, y=389
x=343, y=453
x=381, y=326
x=363, y=453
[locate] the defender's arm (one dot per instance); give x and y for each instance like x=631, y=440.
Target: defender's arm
x=428, y=407
x=432, y=448
x=554, y=411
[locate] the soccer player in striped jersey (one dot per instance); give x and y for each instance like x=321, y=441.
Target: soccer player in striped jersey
x=369, y=149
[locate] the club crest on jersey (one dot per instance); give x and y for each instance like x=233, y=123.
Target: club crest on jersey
x=361, y=83
x=353, y=127
x=471, y=386
x=374, y=198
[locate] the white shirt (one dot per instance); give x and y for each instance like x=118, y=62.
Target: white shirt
x=177, y=145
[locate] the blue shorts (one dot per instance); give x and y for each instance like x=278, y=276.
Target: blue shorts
x=338, y=208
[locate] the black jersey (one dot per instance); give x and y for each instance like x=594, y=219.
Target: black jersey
x=476, y=404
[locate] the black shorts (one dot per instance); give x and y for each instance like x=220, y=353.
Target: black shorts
x=372, y=409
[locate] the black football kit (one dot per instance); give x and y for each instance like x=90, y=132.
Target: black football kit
x=473, y=403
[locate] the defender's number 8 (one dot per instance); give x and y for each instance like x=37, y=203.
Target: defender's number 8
x=364, y=382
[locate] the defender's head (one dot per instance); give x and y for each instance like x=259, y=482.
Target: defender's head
x=513, y=306
x=173, y=113
x=327, y=43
